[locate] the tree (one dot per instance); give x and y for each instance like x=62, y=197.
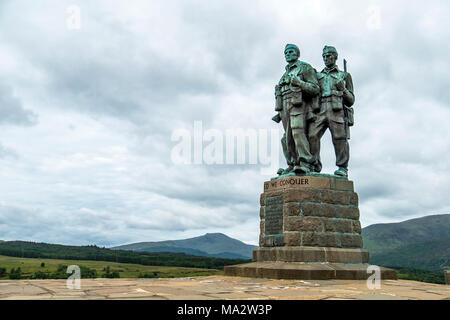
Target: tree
x=15, y=273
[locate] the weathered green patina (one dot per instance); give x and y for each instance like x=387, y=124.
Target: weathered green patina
x=308, y=103
x=336, y=97
x=294, y=94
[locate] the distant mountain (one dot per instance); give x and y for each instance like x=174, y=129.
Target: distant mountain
x=422, y=243
x=209, y=245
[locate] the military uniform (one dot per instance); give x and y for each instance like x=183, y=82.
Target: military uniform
x=332, y=115
x=294, y=94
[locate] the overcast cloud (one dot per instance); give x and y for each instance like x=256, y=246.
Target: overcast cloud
x=87, y=114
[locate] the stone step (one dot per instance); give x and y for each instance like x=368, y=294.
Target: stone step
x=311, y=254
x=307, y=271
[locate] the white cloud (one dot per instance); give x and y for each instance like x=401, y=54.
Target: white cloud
x=87, y=115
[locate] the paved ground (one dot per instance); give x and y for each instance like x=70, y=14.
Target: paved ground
x=220, y=287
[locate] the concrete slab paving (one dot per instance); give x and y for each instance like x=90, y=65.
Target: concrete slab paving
x=221, y=288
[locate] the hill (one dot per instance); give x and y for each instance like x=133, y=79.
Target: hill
x=422, y=243
x=210, y=244
x=430, y=255
x=55, y=251
x=386, y=236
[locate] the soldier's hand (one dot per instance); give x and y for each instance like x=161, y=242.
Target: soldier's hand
x=296, y=81
x=340, y=85
x=311, y=116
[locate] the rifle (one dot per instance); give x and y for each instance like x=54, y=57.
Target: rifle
x=348, y=111
x=277, y=118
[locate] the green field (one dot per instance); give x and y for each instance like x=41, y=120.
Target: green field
x=29, y=267
x=27, y=249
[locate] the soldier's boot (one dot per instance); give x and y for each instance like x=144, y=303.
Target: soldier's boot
x=342, y=172
x=302, y=169
x=288, y=169
x=316, y=167
x=282, y=171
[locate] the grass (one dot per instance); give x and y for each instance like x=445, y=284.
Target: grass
x=126, y=270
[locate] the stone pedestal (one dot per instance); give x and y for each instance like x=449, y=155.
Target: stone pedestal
x=309, y=229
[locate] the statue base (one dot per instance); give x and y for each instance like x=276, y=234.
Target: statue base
x=309, y=230
x=306, y=271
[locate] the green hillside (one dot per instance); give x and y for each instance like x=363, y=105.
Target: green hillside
x=191, y=251
x=387, y=236
x=429, y=255
x=54, y=251
x=422, y=243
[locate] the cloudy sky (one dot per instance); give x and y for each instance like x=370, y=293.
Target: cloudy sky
x=88, y=111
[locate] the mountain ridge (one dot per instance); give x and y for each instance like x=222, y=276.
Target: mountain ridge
x=209, y=244
x=422, y=243
x=406, y=232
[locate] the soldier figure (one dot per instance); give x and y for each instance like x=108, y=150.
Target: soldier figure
x=336, y=98
x=294, y=94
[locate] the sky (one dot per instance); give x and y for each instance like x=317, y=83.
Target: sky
x=94, y=96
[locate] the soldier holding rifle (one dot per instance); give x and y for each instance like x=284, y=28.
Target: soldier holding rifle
x=336, y=99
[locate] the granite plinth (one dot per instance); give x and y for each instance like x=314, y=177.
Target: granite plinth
x=310, y=211
x=309, y=230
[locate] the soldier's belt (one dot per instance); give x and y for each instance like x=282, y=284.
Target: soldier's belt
x=293, y=97
x=333, y=93
x=326, y=99
x=334, y=101
x=331, y=99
